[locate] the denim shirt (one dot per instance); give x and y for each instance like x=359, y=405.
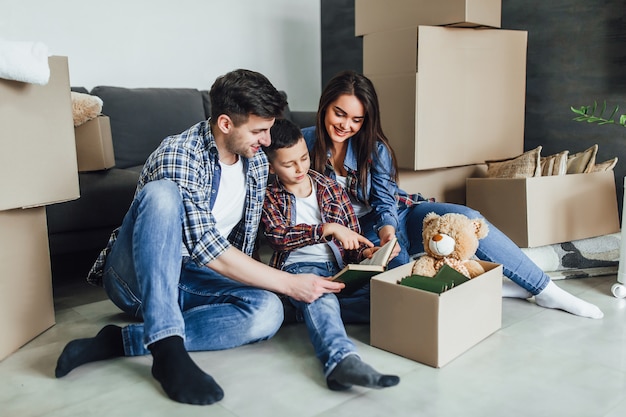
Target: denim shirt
x=382, y=191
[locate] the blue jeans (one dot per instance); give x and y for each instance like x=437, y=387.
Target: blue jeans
x=496, y=247
x=323, y=317
x=146, y=276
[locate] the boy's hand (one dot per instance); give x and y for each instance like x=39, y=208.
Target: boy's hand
x=310, y=287
x=349, y=239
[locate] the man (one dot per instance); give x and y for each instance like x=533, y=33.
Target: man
x=181, y=261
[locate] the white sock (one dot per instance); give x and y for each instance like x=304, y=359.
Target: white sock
x=512, y=290
x=555, y=297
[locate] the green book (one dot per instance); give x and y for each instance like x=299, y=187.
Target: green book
x=357, y=275
x=446, y=278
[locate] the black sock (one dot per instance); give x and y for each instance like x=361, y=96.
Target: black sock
x=181, y=379
x=352, y=371
x=106, y=344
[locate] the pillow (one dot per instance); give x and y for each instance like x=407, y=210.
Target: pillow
x=582, y=162
x=605, y=166
x=554, y=164
x=525, y=165
x=547, y=165
x=84, y=107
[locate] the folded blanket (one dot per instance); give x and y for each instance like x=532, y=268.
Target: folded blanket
x=24, y=61
x=596, y=252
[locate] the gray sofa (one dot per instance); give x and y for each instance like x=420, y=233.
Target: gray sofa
x=140, y=119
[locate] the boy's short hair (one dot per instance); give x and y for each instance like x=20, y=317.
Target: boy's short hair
x=284, y=134
x=241, y=92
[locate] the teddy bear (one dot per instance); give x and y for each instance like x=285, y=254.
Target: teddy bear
x=84, y=107
x=450, y=239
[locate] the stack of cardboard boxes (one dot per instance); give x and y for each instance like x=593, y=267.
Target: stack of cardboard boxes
x=37, y=167
x=451, y=86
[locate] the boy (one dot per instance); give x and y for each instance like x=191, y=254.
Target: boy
x=309, y=222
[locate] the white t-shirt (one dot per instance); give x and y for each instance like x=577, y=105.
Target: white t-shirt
x=360, y=209
x=228, y=207
x=308, y=212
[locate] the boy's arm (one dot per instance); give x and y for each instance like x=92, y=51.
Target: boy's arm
x=303, y=287
x=280, y=235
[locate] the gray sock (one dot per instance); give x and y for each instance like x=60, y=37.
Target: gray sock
x=352, y=371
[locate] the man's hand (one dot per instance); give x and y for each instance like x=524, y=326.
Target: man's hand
x=310, y=287
x=349, y=239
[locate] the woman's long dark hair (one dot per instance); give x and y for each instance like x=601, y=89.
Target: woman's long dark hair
x=354, y=84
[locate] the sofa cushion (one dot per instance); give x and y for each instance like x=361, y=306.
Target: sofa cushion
x=142, y=117
x=105, y=196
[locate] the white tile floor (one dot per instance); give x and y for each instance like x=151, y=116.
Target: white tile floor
x=541, y=363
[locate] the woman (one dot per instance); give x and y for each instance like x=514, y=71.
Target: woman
x=348, y=144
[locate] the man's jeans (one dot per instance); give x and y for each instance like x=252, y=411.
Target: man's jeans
x=146, y=277
x=323, y=316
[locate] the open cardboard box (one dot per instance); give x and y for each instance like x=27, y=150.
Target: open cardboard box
x=434, y=328
x=94, y=145
x=543, y=211
x=38, y=158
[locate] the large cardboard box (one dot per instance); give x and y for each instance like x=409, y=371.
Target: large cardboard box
x=434, y=328
x=372, y=16
x=94, y=145
x=38, y=157
x=463, y=106
x=26, y=303
x=547, y=210
x=443, y=184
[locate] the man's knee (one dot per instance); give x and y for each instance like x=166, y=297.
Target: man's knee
x=161, y=195
x=268, y=316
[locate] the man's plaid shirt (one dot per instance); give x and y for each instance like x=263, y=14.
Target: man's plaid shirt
x=190, y=159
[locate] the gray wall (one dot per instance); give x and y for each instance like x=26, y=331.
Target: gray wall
x=576, y=54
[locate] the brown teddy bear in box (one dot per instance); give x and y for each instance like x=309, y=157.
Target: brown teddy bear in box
x=450, y=239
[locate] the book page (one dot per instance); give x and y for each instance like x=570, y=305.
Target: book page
x=381, y=256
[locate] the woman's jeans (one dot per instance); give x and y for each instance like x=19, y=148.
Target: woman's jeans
x=495, y=247
x=323, y=317
x=146, y=276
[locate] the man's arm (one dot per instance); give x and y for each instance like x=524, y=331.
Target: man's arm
x=242, y=268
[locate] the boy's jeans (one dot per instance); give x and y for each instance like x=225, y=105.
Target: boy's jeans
x=146, y=276
x=323, y=316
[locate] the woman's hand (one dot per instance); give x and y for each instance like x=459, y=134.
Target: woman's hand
x=385, y=234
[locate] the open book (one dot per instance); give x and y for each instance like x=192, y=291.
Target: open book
x=357, y=275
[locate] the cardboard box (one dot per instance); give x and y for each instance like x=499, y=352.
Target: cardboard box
x=94, y=145
x=26, y=303
x=434, y=328
x=547, y=210
x=38, y=158
x=464, y=105
x=371, y=16
x=443, y=184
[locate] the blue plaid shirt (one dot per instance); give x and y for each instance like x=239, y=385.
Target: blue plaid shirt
x=190, y=159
